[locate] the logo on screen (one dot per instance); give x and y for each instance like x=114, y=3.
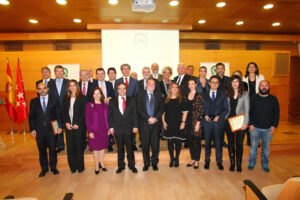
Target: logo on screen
x=140, y=40
x=213, y=70
x=66, y=72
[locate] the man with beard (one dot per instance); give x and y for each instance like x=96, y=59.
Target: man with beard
x=155, y=74
x=264, y=119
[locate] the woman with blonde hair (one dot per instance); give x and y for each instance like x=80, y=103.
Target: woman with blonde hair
x=174, y=119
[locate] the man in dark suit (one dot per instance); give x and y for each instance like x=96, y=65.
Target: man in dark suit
x=112, y=74
x=190, y=71
x=86, y=87
x=132, y=84
x=182, y=79
x=215, y=108
x=122, y=119
x=147, y=75
x=46, y=73
x=90, y=73
x=58, y=88
x=105, y=86
x=43, y=110
x=150, y=110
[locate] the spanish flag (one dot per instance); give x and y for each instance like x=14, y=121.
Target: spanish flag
x=9, y=99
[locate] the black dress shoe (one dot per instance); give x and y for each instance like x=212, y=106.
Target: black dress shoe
x=220, y=166
x=231, y=168
x=155, y=168
x=59, y=150
x=206, y=166
x=97, y=172
x=43, y=173
x=134, y=148
x=176, y=163
x=190, y=165
x=119, y=170
x=134, y=170
x=103, y=168
x=171, y=163
x=110, y=149
x=55, y=171
x=145, y=168
x=238, y=168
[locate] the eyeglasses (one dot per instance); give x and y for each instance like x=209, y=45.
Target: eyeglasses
x=214, y=82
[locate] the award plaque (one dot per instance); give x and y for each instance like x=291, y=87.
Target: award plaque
x=55, y=126
x=236, y=123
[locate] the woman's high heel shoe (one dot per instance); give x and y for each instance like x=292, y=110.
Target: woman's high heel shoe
x=190, y=164
x=103, y=168
x=97, y=172
x=196, y=166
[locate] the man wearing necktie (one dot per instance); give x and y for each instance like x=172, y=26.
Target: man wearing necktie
x=46, y=73
x=215, y=109
x=43, y=110
x=150, y=110
x=147, y=74
x=86, y=87
x=122, y=120
x=105, y=86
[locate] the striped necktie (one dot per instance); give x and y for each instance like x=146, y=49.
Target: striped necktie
x=44, y=107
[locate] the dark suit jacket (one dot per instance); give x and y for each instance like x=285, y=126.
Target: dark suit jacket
x=122, y=123
x=89, y=91
x=133, y=87
x=78, y=112
x=142, y=107
x=162, y=89
x=141, y=85
x=224, y=83
x=184, y=89
x=109, y=88
x=54, y=92
x=218, y=107
x=41, y=122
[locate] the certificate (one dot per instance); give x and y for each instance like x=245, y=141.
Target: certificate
x=236, y=122
x=55, y=126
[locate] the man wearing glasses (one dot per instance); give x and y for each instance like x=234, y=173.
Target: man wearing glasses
x=215, y=109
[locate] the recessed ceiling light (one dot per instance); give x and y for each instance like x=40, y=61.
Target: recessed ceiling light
x=164, y=20
x=61, y=2
x=268, y=6
x=117, y=20
x=77, y=20
x=33, y=21
x=174, y=3
x=4, y=2
x=201, y=21
x=239, y=23
x=113, y=2
x=276, y=24
x=221, y=4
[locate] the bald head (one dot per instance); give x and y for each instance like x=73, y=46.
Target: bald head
x=180, y=69
x=264, y=87
x=42, y=89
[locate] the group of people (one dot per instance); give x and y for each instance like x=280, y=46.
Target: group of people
x=187, y=108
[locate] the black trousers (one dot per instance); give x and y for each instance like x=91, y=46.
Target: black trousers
x=124, y=138
x=60, y=144
x=235, y=144
x=213, y=130
x=150, y=138
x=194, y=143
x=174, y=144
x=75, y=150
x=46, y=140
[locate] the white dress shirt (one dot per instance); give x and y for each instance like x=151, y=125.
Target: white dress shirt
x=113, y=83
x=181, y=78
x=86, y=86
x=104, y=87
x=71, y=111
x=120, y=99
x=211, y=92
x=128, y=77
x=155, y=76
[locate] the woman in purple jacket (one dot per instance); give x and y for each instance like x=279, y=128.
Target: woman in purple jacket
x=97, y=126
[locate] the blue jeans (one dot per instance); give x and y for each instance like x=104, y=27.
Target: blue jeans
x=266, y=138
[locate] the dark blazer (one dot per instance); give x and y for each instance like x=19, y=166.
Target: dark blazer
x=218, y=107
x=196, y=113
x=184, y=89
x=122, y=123
x=133, y=87
x=109, y=88
x=141, y=85
x=54, y=92
x=199, y=86
x=41, y=122
x=160, y=77
x=224, y=83
x=163, y=90
x=89, y=92
x=78, y=112
x=40, y=81
x=142, y=108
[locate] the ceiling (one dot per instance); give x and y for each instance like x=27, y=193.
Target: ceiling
x=55, y=17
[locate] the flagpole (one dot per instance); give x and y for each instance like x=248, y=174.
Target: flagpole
x=11, y=127
x=24, y=129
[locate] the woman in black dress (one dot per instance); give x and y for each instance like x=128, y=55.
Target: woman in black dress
x=194, y=103
x=174, y=119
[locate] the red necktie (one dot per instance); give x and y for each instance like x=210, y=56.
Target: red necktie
x=126, y=81
x=84, y=89
x=124, y=104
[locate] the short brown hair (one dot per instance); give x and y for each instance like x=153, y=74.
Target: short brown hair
x=101, y=93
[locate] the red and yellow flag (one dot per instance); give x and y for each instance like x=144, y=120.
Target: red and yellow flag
x=21, y=101
x=9, y=99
